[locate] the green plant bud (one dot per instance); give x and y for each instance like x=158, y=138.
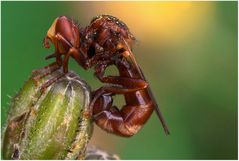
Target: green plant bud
x=54, y=124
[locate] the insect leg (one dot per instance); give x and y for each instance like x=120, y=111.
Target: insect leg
x=71, y=51
x=39, y=73
x=55, y=55
x=120, y=85
x=130, y=83
x=49, y=82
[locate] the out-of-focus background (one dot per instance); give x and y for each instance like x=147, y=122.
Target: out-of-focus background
x=187, y=50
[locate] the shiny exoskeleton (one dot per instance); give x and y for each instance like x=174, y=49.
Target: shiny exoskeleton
x=106, y=41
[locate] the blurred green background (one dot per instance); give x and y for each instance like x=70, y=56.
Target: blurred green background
x=187, y=50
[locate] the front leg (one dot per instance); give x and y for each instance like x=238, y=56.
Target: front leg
x=71, y=51
x=120, y=83
x=39, y=73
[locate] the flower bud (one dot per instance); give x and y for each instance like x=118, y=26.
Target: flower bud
x=54, y=124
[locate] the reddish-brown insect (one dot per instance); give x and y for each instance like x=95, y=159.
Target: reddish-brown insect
x=106, y=41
